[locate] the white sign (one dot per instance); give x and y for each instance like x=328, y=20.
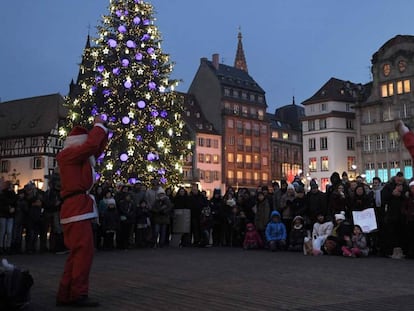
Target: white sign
x=366, y=220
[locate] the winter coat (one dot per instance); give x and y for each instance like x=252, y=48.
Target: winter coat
x=111, y=220
x=161, y=211
x=359, y=241
x=262, y=215
x=317, y=204
x=275, y=231
x=77, y=176
x=252, y=238
x=322, y=229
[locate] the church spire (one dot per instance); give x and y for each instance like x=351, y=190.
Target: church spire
x=240, y=61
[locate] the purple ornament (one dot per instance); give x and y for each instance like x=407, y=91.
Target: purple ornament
x=150, y=51
x=116, y=71
x=139, y=138
x=137, y=20
x=97, y=176
x=150, y=128
x=112, y=43
x=94, y=88
x=126, y=12
x=154, y=113
x=125, y=62
x=98, y=78
x=161, y=171
x=122, y=29
x=127, y=84
x=110, y=135
x=102, y=156
x=163, y=180
x=112, y=119
x=123, y=157
x=132, y=181
x=126, y=120
x=94, y=111
x=104, y=117
x=141, y=104
x=131, y=44
x=164, y=114
x=118, y=13
x=146, y=22
x=155, y=73
x=145, y=37
x=106, y=92
x=137, y=1
x=101, y=68
x=138, y=56
x=118, y=172
x=154, y=62
x=152, y=85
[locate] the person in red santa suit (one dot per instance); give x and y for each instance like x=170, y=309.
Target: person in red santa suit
x=407, y=136
x=76, y=166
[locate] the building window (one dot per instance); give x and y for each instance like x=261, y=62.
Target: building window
x=248, y=142
x=323, y=107
x=201, y=157
x=208, y=142
x=322, y=124
x=348, y=107
x=236, y=109
x=230, y=174
x=275, y=134
x=215, y=143
x=369, y=172
x=230, y=123
x=408, y=169
x=312, y=164
x=264, y=161
x=239, y=175
x=207, y=158
x=350, y=143
x=286, y=169
x=265, y=177
x=393, y=140
x=230, y=157
x=324, y=143
x=386, y=114
x=324, y=164
x=37, y=163
x=216, y=175
x=350, y=124
x=5, y=166
x=368, y=143
x=260, y=114
x=403, y=87
x=285, y=136
x=382, y=171
x=248, y=158
x=226, y=92
x=394, y=167
x=311, y=125
x=351, y=163
x=312, y=144
x=216, y=159
x=263, y=129
x=201, y=141
x=239, y=158
x=380, y=142
x=231, y=140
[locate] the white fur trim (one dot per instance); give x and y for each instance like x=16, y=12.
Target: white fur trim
x=75, y=140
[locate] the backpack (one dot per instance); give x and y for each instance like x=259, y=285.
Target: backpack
x=15, y=288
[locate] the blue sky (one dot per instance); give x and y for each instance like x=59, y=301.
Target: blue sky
x=292, y=47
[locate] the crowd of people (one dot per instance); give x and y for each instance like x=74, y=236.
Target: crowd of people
x=282, y=217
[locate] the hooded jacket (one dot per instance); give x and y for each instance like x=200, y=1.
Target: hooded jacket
x=275, y=231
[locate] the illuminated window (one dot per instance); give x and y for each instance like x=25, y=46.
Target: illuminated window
x=382, y=170
x=324, y=164
x=400, y=89
x=351, y=163
x=394, y=167
x=216, y=159
x=201, y=157
x=230, y=174
x=239, y=175
x=265, y=177
x=236, y=109
x=390, y=89
x=260, y=114
x=248, y=158
x=285, y=136
x=256, y=176
x=407, y=86
x=248, y=142
x=384, y=90
x=393, y=139
x=207, y=158
x=275, y=134
x=239, y=158
x=312, y=164
x=230, y=157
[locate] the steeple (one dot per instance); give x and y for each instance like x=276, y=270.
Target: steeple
x=240, y=61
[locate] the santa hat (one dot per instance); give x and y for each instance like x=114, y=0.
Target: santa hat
x=77, y=136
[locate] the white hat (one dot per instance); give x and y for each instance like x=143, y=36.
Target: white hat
x=411, y=183
x=340, y=216
x=290, y=186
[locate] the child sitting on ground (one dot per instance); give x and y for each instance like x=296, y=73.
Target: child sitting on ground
x=275, y=233
x=297, y=235
x=356, y=245
x=252, y=239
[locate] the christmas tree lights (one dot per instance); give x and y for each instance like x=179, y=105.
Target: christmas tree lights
x=129, y=83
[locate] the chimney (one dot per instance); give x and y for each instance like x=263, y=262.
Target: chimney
x=216, y=61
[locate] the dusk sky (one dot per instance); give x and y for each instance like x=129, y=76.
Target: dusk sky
x=292, y=47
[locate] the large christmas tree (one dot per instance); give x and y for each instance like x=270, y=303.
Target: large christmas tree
x=129, y=84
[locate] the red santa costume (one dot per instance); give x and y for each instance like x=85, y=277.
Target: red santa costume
x=407, y=136
x=76, y=166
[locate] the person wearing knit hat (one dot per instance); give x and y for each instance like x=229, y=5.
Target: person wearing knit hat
x=76, y=166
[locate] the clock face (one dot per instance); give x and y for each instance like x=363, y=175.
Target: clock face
x=386, y=69
x=402, y=65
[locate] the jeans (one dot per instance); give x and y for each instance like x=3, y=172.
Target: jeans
x=6, y=232
x=160, y=230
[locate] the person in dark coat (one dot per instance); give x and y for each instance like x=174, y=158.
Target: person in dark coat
x=196, y=202
x=317, y=203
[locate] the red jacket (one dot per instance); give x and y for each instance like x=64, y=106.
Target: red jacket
x=408, y=139
x=78, y=176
